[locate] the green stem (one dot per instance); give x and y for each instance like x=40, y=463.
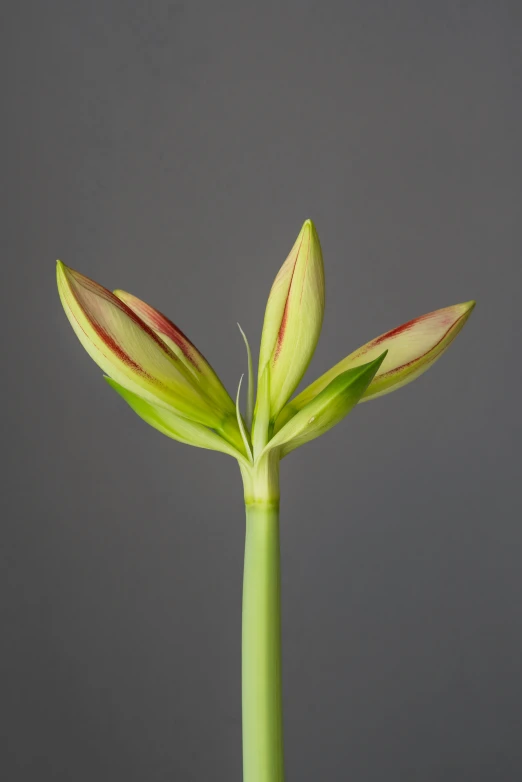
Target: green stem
x=261, y=675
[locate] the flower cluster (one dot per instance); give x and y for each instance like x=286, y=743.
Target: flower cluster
x=167, y=381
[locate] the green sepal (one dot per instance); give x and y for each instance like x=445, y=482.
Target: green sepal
x=329, y=407
x=174, y=426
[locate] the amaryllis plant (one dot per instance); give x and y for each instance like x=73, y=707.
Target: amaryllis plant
x=166, y=380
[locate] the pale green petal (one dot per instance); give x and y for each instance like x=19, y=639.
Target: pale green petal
x=293, y=318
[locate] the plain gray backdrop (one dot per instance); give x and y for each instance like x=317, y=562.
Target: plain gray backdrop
x=174, y=149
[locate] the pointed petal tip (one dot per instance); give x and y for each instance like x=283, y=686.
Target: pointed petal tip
x=63, y=276
x=73, y=277
x=469, y=306
x=63, y=266
x=461, y=312
x=61, y=269
x=310, y=229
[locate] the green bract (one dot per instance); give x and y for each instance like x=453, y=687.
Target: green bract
x=181, y=429
x=327, y=408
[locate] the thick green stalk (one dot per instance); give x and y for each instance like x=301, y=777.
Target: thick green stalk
x=261, y=653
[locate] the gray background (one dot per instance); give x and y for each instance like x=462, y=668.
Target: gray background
x=174, y=149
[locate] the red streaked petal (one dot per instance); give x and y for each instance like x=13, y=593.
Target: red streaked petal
x=127, y=349
x=413, y=347
x=183, y=348
x=177, y=341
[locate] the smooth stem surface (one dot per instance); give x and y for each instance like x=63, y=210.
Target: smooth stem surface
x=261, y=653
